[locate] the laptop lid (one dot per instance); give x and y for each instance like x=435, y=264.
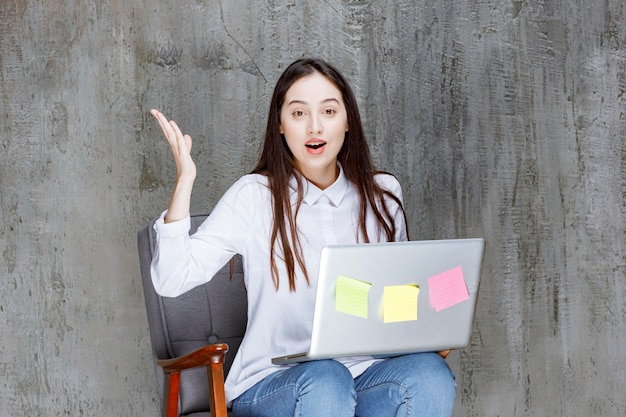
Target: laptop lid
x=387, y=299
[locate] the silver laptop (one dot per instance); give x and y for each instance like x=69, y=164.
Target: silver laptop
x=389, y=299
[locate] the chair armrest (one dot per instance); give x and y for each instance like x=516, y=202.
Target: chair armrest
x=207, y=355
x=212, y=357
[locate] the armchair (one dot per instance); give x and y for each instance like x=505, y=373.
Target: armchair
x=195, y=336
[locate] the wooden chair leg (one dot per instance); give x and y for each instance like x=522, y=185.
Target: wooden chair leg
x=172, y=390
x=217, y=397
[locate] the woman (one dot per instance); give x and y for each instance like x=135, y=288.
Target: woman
x=314, y=185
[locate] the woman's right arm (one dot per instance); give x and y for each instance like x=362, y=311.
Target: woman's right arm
x=182, y=262
x=170, y=267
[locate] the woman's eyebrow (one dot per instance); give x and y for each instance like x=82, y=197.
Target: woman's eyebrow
x=296, y=101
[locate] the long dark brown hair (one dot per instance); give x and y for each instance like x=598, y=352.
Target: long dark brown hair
x=278, y=164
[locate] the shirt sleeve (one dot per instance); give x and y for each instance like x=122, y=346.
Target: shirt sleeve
x=182, y=262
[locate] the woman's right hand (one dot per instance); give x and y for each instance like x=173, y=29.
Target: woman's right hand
x=180, y=145
x=185, y=167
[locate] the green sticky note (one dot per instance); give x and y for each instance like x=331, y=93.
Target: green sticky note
x=352, y=296
x=400, y=303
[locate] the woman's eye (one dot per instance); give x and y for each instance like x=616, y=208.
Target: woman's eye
x=298, y=113
x=330, y=112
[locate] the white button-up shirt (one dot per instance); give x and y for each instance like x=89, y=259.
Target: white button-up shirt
x=279, y=321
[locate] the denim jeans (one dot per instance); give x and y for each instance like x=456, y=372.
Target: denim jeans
x=413, y=385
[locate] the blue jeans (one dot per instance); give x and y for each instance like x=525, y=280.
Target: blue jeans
x=408, y=386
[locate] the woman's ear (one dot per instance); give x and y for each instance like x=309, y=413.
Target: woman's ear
x=280, y=129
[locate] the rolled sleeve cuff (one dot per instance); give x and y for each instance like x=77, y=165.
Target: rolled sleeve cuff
x=172, y=229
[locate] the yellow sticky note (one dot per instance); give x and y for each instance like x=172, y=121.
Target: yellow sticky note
x=352, y=296
x=400, y=303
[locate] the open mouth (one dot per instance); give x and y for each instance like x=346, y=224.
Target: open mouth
x=315, y=145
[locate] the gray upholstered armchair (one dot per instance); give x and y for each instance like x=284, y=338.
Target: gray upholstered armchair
x=194, y=336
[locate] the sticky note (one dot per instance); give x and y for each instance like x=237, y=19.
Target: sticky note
x=400, y=303
x=447, y=289
x=352, y=296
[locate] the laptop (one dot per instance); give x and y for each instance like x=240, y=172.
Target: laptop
x=390, y=299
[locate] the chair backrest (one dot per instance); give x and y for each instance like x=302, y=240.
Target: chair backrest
x=215, y=312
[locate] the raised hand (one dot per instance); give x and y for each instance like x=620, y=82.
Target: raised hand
x=180, y=145
x=185, y=167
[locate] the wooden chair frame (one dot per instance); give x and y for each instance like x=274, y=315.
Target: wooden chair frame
x=211, y=356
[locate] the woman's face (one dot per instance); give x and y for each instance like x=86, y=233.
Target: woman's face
x=314, y=121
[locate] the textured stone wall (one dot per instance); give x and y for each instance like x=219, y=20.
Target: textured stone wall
x=502, y=119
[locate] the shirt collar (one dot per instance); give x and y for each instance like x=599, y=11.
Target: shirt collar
x=312, y=194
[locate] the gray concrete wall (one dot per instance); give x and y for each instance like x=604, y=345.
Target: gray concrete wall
x=503, y=119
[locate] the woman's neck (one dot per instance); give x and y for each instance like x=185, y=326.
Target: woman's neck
x=322, y=179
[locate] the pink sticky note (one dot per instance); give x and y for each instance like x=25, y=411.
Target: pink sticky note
x=447, y=289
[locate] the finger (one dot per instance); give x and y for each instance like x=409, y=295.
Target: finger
x=177, y=131
x=167, y=130
x=163, y=122
x=183, y=140
x=159, y=117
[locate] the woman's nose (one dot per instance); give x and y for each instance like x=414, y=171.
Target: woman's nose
x=315, y=124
